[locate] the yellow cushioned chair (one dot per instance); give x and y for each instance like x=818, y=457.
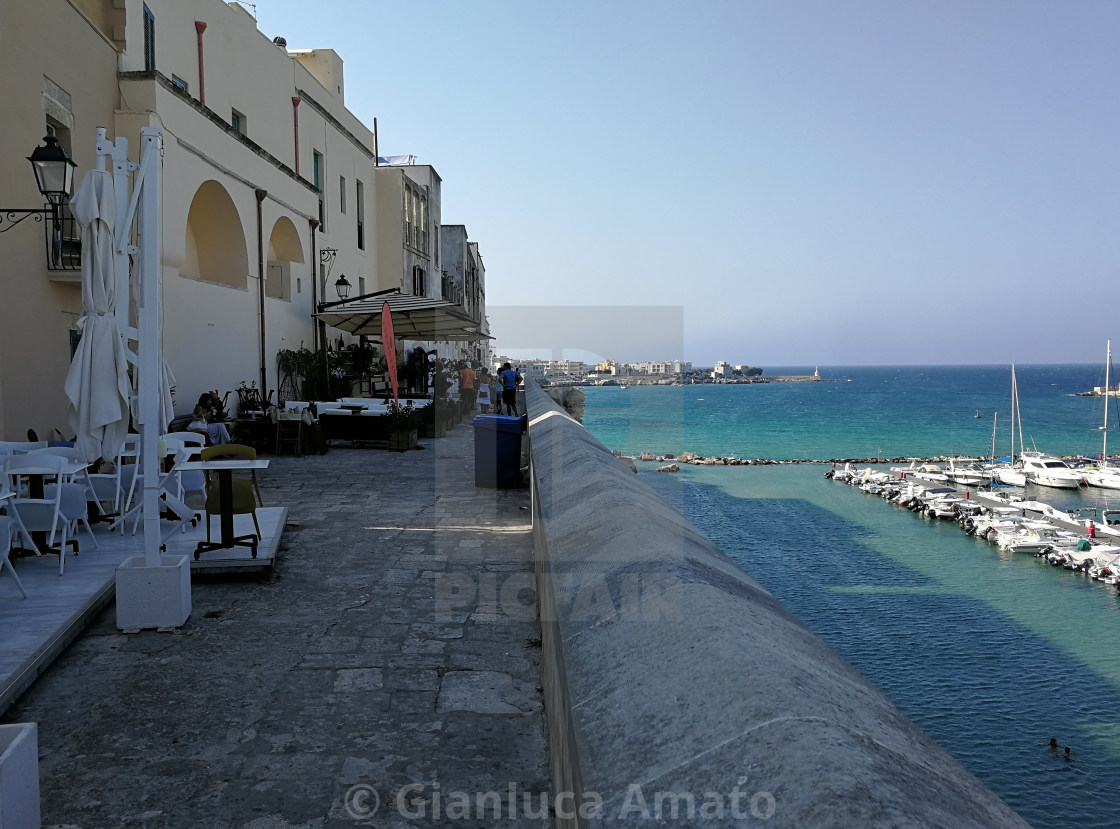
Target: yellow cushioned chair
x=244, y=500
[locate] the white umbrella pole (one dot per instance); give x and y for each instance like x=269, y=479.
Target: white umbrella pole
x=151, y=341
x=153, y=590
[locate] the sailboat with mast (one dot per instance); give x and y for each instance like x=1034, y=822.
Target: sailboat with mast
x=1106, y=477
x=1011, y=474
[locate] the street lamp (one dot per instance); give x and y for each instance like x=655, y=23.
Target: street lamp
x=54, y=171
x=342, y=288
x=54, y=176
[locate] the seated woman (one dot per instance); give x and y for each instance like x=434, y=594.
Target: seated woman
x=205, y=420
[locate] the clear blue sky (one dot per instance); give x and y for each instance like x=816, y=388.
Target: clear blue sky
x=813, y=181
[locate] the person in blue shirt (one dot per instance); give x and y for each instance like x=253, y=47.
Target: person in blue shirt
x=510, y=379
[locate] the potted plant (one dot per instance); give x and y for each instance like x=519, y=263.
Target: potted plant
x=445, y=413
x=430, y=425
x=404, y=424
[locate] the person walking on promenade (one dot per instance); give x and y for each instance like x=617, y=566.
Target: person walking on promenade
x=510, y=379
x=467, y=389
x=483, y=391
x=416, y=370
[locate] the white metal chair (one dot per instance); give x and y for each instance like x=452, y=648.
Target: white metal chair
x=15, y=447
x=31, y=515
x=75, y=495
x=169, y=494
x=5, y=548
x=191, y=480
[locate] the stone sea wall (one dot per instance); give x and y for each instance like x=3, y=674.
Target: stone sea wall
x=679, y=692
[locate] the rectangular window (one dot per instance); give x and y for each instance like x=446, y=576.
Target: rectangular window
x=278, y=281
x=318, y=176
x=237, y=121
x=149, y=40
x=418, y=281
x=360, y=208
x=180, y=84
x=415, y=219
x=342, y=194
x=361, y=286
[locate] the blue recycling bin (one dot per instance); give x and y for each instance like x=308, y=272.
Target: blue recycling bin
x=497, y=451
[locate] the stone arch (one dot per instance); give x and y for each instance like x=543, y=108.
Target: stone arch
x=283, y=243
x=215, y=250
x=284, y=248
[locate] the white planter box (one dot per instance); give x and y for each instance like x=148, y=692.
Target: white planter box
x=153, y=597
x=19, y=776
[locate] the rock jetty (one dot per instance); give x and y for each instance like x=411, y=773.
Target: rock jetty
x=694, y=459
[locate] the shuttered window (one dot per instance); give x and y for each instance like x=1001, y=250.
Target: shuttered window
x=149, y=40
x=360, y=208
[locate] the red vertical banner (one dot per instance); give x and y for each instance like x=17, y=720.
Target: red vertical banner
x=389, y=345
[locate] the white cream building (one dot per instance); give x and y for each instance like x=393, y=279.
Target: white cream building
x=264, y=168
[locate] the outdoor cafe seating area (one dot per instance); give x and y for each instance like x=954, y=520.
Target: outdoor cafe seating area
x=57, y=506
x=65, y=529
x=304, y=427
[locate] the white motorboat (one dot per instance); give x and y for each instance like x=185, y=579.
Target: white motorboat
x=1028, y=540
x=1107, y=477
x=1009, y=475
x=1051, y=471
x=930, y=472
x=967, y=472
x=944, y=508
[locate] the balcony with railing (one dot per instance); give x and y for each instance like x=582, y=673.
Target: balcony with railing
x=63, y=241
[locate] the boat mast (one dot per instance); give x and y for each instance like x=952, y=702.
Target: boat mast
x=1104, y=429
x=1017, y=414
x=995, y=420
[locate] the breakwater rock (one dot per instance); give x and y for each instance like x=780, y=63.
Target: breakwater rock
x=694, y=459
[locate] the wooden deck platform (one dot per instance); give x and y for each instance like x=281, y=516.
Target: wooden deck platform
x=35, y=630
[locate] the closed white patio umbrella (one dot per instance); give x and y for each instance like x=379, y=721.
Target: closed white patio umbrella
x=98, y=384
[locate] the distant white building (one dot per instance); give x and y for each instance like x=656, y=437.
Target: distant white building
x=722, y=370
x=548, y=369
x=662, y=367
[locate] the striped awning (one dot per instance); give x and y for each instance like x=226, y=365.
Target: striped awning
x=414, y=317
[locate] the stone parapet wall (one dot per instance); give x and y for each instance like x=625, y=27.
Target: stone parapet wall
x=674, y=681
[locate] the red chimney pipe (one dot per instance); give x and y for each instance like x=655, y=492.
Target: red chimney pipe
x=200, y=27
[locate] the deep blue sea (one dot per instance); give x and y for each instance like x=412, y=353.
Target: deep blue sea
x=991, y=654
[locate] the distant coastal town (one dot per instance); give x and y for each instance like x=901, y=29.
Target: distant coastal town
x=650, y=373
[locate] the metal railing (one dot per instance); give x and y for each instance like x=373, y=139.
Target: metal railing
x=63, y=241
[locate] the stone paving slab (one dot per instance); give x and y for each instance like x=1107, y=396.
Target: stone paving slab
x=393, y=654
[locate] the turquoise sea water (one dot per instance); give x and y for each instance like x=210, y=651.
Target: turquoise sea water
x=991, y=654
x=857, y=412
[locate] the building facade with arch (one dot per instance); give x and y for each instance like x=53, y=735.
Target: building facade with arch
x=267, y=179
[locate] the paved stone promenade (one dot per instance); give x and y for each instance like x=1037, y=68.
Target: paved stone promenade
x=395, y=649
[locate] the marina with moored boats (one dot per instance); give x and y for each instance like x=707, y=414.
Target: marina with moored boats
x=1082, y=539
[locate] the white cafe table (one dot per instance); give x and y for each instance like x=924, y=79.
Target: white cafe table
x=225, y=467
